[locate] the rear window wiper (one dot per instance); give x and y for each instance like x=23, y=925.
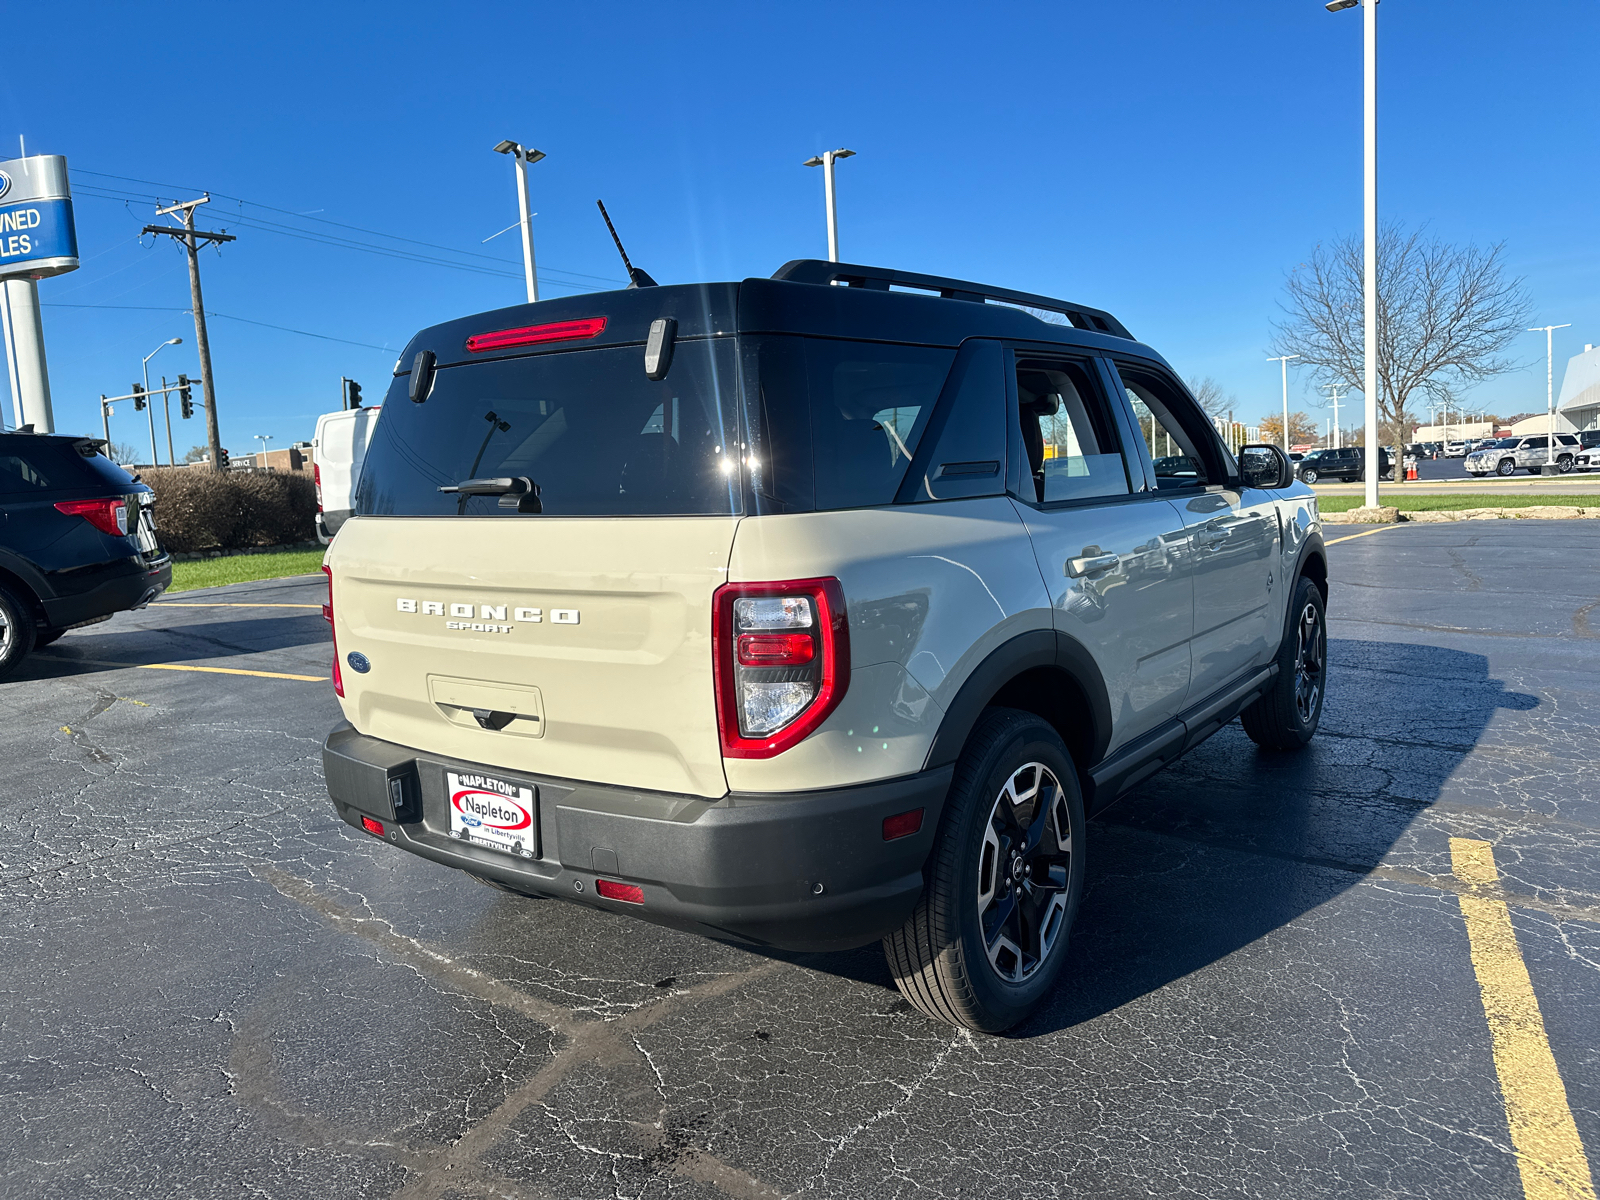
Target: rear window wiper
x=519, y=492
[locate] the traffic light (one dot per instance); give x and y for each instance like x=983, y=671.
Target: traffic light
x=222, y=457
x=138, y=398
x=185, y=397
x=354, y=393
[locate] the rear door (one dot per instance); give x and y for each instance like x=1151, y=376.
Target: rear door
x=574, y=641
x=1111, y=549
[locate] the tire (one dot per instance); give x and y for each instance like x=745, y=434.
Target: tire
x=971, y=955
x=1287, y=715
x=1507, y=467
x=1309, y=475
x=16, y=631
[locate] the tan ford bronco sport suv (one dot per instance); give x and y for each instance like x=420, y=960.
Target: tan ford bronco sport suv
x=807, y=611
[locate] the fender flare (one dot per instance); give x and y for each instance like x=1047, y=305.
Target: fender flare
x=1314, y=548
x=1025, y=652
x=25, y=573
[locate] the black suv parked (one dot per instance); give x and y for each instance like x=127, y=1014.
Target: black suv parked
x=1345, y=464
x=77, y=541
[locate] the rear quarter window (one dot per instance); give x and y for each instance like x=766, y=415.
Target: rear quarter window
x=31, y=464
x=839, y=421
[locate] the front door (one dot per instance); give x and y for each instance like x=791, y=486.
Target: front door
x=1232, y=532
x=1112, y=551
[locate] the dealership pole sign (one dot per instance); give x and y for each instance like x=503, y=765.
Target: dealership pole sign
x=37, y=236
x=37, y=240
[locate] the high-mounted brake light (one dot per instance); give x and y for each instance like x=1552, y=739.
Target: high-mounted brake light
x=532, y=335
x=108, y=516
x=782, y=655
x=327, y=612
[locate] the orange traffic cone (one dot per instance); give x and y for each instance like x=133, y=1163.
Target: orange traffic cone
x=1411, y=473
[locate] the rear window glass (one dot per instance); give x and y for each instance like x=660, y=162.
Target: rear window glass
x=840, y=421
x=33, y=464
x=587, y=426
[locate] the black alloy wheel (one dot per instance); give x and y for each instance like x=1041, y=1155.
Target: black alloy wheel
x=1287, y=714
x=988, y=937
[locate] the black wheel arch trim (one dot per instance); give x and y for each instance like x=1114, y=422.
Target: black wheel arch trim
x=14, y=567
x=1038, y=648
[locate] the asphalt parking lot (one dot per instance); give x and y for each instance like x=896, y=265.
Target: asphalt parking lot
x=210, y=986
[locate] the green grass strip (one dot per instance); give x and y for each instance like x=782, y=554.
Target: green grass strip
x=240, y=568
x=1455, y=501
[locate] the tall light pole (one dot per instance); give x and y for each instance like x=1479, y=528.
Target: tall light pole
x=263, y=438
x=1284, y=359
x=1369, y=91
x=1550, y=389
x=525, y=158
x=825, y=160
x=1334, y=388
x=155, y=458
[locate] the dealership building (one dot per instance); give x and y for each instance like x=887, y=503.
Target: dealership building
x=1580, y=391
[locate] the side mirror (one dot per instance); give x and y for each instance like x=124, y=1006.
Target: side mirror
x=1264, y=466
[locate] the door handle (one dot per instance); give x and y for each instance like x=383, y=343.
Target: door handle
x=1213, y=538
x=1093, y=564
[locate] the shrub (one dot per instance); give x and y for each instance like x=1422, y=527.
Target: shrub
x=201, y=509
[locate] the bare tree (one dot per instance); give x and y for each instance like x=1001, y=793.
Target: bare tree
x=1446, y=314
x=1212, y=398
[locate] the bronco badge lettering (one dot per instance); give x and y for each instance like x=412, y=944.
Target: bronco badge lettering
x=485, y=612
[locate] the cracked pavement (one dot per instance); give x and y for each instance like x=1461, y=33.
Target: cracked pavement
x=211, y=986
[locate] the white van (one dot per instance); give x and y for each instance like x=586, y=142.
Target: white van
x=337, y=452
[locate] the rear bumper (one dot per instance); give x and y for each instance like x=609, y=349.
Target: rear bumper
x=132, y=583
x=795, y=871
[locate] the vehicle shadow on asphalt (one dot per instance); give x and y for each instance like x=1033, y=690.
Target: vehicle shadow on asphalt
x=91, y=653
x=1233, y=842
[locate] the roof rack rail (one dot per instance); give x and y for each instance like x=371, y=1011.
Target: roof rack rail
x=813, y=270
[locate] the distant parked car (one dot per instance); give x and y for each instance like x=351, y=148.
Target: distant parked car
x=1455, y=449
x=77, y=541
x=1504, y=456
x=1347, y=464
x=337, y=452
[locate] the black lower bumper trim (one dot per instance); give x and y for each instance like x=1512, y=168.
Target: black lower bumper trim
x=795, y=871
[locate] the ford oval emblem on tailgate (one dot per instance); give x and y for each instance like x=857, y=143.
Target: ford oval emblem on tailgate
x=358, y=662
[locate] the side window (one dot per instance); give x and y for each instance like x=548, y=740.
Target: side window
x=1182, y=446
x=1068, y=435
x=17, y=474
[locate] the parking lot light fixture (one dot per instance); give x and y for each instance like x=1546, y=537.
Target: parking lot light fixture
x=1369, y=92
x=825, y=160
x=155, y=459
x=1549, y=387
x=1284, y=360
x=524, y=158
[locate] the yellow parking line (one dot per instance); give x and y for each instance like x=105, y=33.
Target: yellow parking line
x=1352, y=537
x=191, y=604
x=226, y=671
x=1549, y=1153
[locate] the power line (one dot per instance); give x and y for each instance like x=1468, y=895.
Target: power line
x=211, y=312
x=337, y=224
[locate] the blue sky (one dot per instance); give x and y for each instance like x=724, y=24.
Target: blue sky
x=1167, y=161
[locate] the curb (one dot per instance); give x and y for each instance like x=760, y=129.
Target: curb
x=1542, y=512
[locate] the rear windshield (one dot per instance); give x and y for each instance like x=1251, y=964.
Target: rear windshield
x=587, y=426
x=42, y=464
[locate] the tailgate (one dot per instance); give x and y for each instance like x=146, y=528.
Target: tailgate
x=573, y=647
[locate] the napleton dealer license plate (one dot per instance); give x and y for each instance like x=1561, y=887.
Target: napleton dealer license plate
x=492, y=812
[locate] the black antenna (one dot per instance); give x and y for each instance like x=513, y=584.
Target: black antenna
x=636, y=277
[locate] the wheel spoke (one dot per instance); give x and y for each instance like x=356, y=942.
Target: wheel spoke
x=1024, y=869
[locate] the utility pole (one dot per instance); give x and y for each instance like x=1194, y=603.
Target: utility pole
x=1550, y=391
x=1284, y=360
x=825, y=160
x=191, y=239
x=1334, y=388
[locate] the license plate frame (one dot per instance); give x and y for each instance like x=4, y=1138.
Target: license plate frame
x=494, y=813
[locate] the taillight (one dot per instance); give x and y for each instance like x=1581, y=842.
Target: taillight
x=327, y=613
x=782, y=662
x=533, y=335
x=108, y=516
x=316, y=482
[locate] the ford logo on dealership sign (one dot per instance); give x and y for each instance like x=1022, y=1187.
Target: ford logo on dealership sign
x=37, y=235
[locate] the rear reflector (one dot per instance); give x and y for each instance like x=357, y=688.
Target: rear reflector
x=532, y=335
x=625, y=892
x=375, y=828
x=902, y=825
